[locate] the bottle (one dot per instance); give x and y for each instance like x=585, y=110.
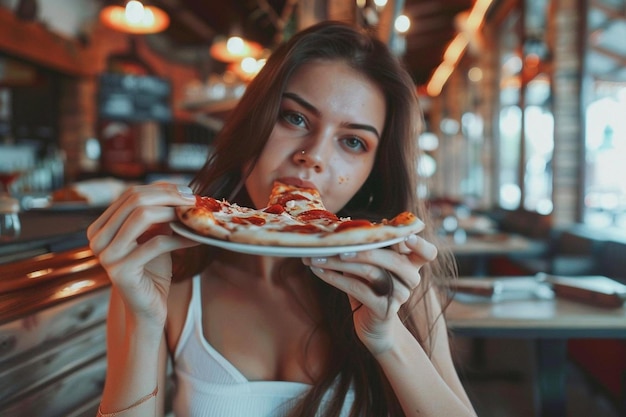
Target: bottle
x=10, y=226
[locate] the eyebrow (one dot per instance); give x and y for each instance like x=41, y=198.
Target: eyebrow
x=313, y=109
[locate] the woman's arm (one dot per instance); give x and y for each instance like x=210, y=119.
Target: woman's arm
x=411, y=371
x=136, y=365
x=133, y=244
x=425, y=385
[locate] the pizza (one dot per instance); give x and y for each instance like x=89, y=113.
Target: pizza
x=294, y=216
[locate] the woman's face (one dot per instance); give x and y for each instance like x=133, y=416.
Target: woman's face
x=327, y=134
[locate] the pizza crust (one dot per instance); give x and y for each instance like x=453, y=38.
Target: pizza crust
x=202, y=222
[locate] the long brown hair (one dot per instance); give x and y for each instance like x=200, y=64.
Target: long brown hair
x=390, y=188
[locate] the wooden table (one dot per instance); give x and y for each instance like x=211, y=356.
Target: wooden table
x=548, y=322
x=481, y=248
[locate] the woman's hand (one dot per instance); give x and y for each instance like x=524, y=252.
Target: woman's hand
x=133, y=243
x=377, y=282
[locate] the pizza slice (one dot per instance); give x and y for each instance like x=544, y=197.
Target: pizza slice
x=303, y=204
x=294, y=216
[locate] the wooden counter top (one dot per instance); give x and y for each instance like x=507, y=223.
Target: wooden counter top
x=37, y=283
x=48, y=231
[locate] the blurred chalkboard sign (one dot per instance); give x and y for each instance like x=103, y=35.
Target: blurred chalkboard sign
x=134, y=97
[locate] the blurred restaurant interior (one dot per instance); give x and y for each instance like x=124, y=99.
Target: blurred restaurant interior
x=524, y=147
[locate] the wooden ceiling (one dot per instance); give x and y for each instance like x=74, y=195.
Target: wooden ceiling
x=195, y=23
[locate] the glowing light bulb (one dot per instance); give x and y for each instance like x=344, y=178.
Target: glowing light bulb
x=402, y=23
x=249, y=65
x=148, y=18
x=134, y=12
x=235, y=45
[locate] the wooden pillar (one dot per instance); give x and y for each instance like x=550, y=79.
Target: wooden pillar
x=568, y=158
x=341, y=10
x=310, y=12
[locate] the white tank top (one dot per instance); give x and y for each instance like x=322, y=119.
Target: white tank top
x=208, y=385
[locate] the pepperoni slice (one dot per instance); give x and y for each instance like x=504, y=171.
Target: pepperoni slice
x=255, y=220
x=301, y=228
x=402, y=219
x=208, y=203
x=349, y=224
x=317, y=214
x=289, y=197
x=274, y=209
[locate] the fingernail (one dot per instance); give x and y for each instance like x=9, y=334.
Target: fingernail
x=318, y=261
x=347, y=255
x=317, y=270
x=411, y=239
x=185, y=192
x=430, y=251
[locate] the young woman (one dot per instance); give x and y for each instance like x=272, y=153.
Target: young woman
x=358, y=334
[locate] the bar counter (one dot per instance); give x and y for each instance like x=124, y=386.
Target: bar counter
x=45, y=231
x=53, y=304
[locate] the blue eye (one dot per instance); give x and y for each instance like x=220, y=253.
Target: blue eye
x=356, y=143
x=294, y=118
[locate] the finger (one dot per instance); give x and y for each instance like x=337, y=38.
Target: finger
x=375, y=264
x=358, y=290
x=382, y=278
x=160, y=194
x=103, y=230
x=420, y=246
x=115, y=243
x=136, y=259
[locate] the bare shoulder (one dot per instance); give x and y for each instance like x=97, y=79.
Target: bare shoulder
x=177, y=306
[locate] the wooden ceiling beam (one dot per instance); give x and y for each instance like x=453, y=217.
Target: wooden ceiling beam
x=615, y=56
x=610, y=12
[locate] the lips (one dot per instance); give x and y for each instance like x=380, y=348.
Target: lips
x=297, y=182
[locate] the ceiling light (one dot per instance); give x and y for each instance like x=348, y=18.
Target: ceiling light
x=247, y=68
x=456, y=48
x=402, y=23
x=135, y=18
x=234, y=49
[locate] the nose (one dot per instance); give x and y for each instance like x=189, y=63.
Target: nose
x=312, y=156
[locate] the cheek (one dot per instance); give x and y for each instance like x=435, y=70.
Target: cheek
x=349, y=181
x=343, y=179
x=353, y=173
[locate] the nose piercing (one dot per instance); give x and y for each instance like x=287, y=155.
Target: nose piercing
x=302, y=152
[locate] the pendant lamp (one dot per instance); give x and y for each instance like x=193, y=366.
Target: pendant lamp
x=234, y=49
x=135, y=18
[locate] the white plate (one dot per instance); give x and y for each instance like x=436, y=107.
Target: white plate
x=282, y=251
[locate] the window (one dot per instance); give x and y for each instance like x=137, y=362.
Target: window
x=605, y=114
x=526, y=124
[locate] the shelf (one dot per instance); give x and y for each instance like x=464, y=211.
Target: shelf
x=211, y=106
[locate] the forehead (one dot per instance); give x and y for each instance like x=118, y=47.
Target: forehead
x=337, y=89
